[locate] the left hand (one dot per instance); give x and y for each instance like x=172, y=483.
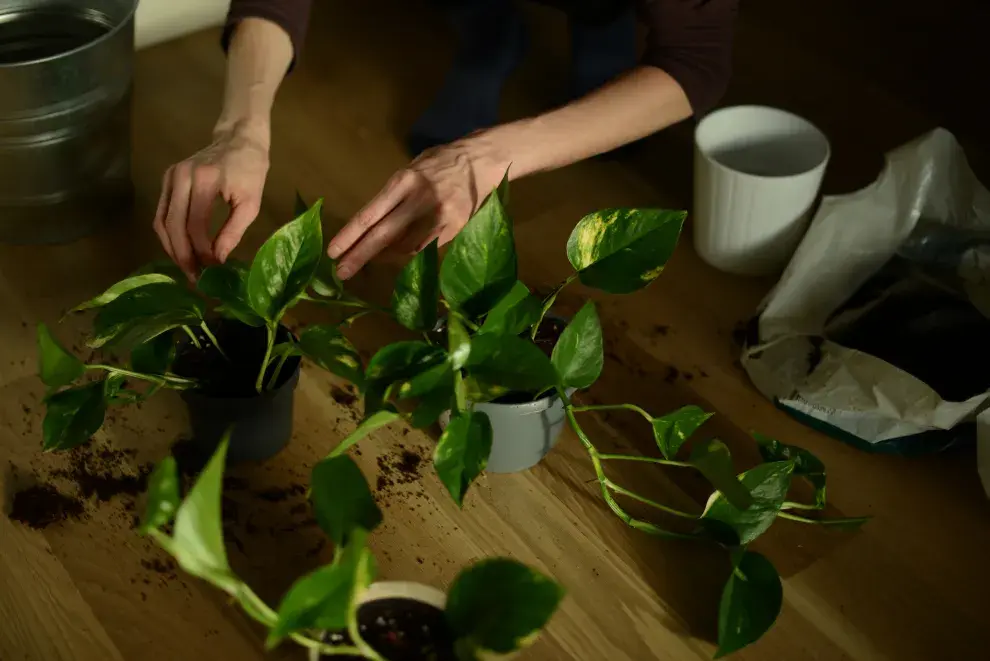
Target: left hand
x=433, y=197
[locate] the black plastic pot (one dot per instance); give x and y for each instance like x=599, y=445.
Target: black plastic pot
x=261, y=424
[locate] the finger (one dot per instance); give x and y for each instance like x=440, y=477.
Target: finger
x=386, y=231
x=396, y=190
x=176, y=218
x=205, y=187
x=159, y=223
x=242, y=215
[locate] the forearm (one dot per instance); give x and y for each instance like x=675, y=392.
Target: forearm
x=633, y=106
x=258, y=58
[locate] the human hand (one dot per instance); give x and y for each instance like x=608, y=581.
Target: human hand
x=234, y=167
x=433, y=197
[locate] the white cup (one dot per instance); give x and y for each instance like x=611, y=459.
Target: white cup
x=757, y=172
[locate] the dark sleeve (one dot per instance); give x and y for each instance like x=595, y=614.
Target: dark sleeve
x=692, y=41
x=291, y=15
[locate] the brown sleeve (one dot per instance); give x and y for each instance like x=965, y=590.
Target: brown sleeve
x=291, y=15
x=692, y=41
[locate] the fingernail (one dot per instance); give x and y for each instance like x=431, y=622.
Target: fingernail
x=344, y=273
x=334, y=252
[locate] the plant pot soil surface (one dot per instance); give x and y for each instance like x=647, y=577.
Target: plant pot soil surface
x=233, y=375
x=402, y=630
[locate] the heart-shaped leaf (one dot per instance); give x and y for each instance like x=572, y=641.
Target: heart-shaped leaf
x=154, y=356
x=163, y=495
x=284, y=266
x=458, y=342
x=342, y=500
x=713, y=459
x=326, y=346
x=369, y=424
x=751, y=601
x=498, y=606
x=118, y=289
x=142, y=314
x=579, y=354
x=768, y=485
x=509, y=362
x=227, y=283
x=325, y=598
x=480, y=266
x=806, y=464
x=394, y=363
x=514, y=313
x=671, y=431
x=623, y=250
x=56, y=366
x=417, y=291
x=462, y=452
x=197, y=542
x=72, y=416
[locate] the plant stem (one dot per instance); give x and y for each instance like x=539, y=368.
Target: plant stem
x=614, y=407
x=278, y=369
x=163, y=380
x=259, y=384
x=548, y=303
x=789, y=505
x=213, y=339
x=347, y=321
x=847, y=521
x=649, y=460
x=637, y=524
x=646, y=501
x=192, y=337
x=460, y=391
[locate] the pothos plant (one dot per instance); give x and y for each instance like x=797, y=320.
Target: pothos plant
x=495, y=606
x=488, y=351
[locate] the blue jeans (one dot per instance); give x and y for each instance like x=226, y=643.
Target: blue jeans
x=492, y=42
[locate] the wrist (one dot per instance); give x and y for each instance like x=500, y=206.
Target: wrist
x=506, y=147
x=254, y=128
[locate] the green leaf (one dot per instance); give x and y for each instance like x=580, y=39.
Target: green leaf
x=431, y=406
x=674, y=429
x=73, y=416
x=284, y=266
x=142, y=314
x=713, y=459
x=369, y=424
x=462, y=452
x=122, y=287
x=154, y=356
x=325, y=282
x=768, y=485
x=480, y=391
x=417, y=291
x=163, y=495
x=514, y=313
x=480, y=266
x=579, y=354
x=751, y=601
x=434, y=388
x=228, y=284
x=499, y=606
x=342, y=500
x=509, y=362
x=623, y=250
x=806, y=464
x=458, y=342
x=325, y=598
x=57, y=366
x=197, y=542
x=326, y=346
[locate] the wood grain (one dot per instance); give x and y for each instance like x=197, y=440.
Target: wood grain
x=912, y=585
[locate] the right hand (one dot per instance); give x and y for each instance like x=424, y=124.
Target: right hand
x=234, y=167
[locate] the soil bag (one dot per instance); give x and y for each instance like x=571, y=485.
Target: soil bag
x=878, y=332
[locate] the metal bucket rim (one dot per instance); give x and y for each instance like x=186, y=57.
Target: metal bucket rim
x=128, y=20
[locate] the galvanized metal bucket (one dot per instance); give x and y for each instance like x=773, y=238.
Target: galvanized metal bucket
x=65, y=90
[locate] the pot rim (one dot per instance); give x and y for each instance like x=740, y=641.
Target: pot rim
x=526, y=408
x=115, y=29
x=420, y=592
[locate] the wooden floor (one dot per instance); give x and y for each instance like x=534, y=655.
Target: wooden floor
x=912, y=585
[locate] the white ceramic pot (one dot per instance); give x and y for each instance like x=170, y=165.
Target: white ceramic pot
x=757, y=173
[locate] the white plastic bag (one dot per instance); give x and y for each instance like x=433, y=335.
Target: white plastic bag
x=920, y=232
